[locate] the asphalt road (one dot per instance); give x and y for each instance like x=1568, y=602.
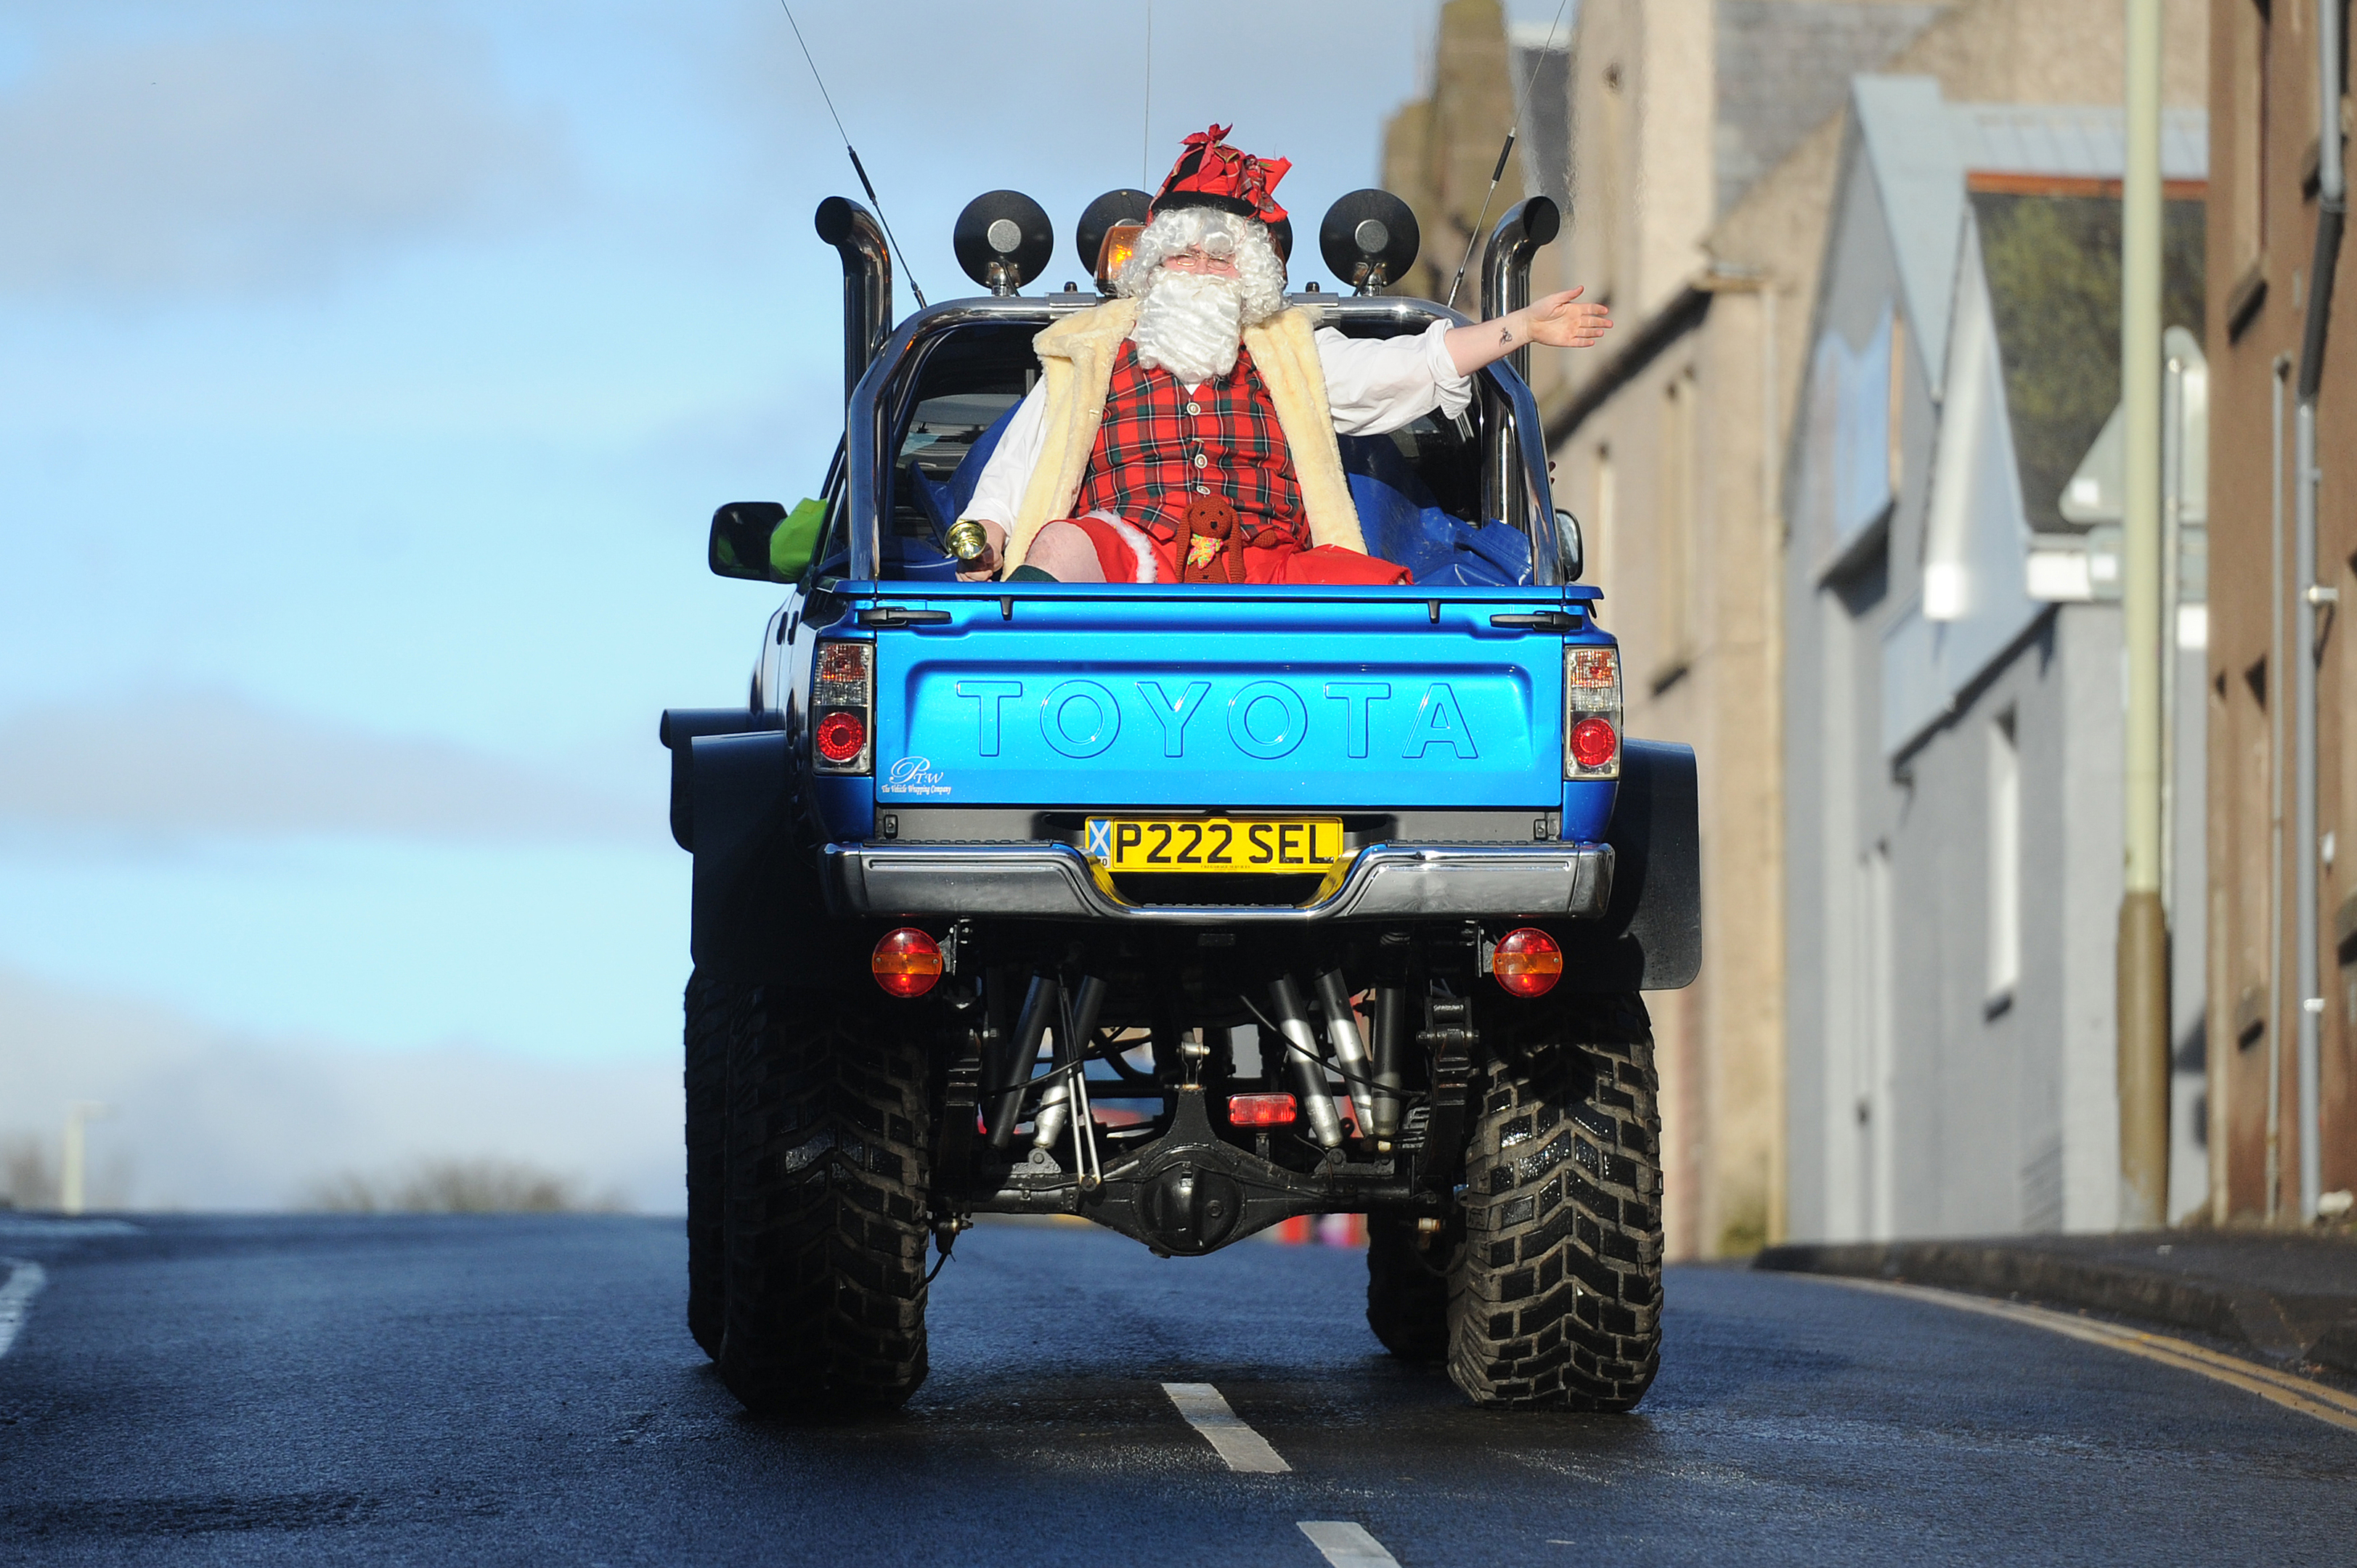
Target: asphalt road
x=480, y=1391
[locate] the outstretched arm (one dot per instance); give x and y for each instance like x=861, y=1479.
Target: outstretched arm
x=1559, y=320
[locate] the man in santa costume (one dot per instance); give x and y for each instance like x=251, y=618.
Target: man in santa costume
x=1192, y=418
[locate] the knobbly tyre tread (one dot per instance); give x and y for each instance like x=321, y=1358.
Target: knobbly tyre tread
x=708, y=1003
x=829, y=1175
x=1557, y=1300
x=1407, y=1287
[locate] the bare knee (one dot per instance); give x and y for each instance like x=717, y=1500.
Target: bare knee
x=1065, y=553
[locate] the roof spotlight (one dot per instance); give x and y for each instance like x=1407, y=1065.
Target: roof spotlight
x=1003, y=239
x=1369, y=240
x=1113, y=208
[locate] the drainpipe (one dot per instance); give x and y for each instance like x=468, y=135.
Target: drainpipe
x=2278, y=662
x=2143, y=952
x=2330, y=208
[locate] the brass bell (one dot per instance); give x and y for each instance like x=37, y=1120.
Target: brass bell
x=967, y=541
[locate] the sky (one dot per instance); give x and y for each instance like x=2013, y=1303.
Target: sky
x=368, y=376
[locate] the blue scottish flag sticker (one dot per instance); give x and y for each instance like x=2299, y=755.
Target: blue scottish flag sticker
x=1099, y=838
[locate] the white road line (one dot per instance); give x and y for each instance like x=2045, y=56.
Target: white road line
x=25, y=1283
x=1347, y=1545
x=2326, y=1404
x=1239, y=1445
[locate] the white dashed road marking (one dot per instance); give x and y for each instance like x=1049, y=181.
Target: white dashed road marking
x=1239, y=1445
x=2326, y=1404
x=1347, y=1545
x=25, y=1283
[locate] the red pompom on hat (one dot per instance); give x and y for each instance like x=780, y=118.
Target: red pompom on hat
x=1210, y=173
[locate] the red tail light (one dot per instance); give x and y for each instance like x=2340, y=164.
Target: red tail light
x=1527, y=962
x=841, y=737
x=1260, y=1110
x=1591, y=712
x=907, y=962
x=843, y=705
x=1593, y=743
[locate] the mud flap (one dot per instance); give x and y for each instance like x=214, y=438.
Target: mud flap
x=759, y=917
x=1650, y=937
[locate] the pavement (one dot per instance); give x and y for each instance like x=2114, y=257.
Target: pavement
x=521, y=1389
x=2285, y=1298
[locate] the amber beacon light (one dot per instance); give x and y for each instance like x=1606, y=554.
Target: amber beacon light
x=907, y=962
x=1527, y=962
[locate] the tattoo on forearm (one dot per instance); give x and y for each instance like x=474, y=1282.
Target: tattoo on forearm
x=1506, y=335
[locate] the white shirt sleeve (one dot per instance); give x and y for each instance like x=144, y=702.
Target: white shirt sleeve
x=1008, y=473
x=1378, y=385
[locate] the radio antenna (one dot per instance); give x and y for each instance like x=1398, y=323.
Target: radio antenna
x=1146, y=126
x=1529, y=82
x=856, y=166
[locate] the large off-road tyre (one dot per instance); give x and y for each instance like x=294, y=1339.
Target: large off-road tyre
x=709, y=1004
x=1556, y=1302
x=1407, y=1286
x=828, y=1179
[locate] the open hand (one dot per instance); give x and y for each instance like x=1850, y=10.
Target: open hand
x=1561, y=320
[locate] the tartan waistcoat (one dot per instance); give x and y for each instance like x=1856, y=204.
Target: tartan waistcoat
x=1157, y=445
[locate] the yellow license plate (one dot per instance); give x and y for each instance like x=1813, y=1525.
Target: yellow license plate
x=1215, y=844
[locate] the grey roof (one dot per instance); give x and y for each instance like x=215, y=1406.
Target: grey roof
x=1783, y=67
x=1916, y=158
x=2082, y=141
x=1921, y=148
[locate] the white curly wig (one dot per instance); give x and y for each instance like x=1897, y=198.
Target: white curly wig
x=1184, y=227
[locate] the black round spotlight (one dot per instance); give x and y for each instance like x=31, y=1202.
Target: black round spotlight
x=1003, y=239
x=1369, y=240
x=1114, y=207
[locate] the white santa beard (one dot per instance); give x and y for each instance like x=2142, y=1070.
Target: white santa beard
x=1192, y=325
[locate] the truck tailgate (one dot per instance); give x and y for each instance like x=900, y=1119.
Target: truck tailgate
x=1185, y=698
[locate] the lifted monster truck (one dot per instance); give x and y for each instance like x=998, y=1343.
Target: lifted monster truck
x=1183, y=909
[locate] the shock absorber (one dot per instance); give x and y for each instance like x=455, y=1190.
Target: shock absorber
x=1013, y=1068
x=1391, y=1045
x=1056, y=1099
x=1305, y=1065
x=1350, y=1049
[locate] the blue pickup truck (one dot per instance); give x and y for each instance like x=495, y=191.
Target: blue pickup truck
x=1183, y=908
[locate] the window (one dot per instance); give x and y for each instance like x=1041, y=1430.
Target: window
x=1599, y=541
x=2003, y=862
x=2244, y=187
x=1611, y=166
x=1675, y=564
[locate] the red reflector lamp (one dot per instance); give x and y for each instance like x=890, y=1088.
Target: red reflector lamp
x=1593, y=742
x=1527, y=962
x=907, y=962
x=1260, y=1110
x=841, y=736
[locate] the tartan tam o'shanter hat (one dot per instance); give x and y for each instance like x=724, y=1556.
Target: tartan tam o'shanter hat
x=1210, y=173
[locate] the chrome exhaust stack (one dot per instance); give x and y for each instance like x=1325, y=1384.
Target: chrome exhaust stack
x=852, y=230
x=1506, y=286
x=1305, y=1064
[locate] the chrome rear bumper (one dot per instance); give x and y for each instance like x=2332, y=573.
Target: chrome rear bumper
x=1055, y=882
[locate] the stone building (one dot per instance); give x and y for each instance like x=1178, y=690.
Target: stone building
x=1705, y=137
x=2264, y=150
x=1955, y=767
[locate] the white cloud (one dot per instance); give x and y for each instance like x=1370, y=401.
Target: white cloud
x=183, y=764
x=208, y=1117
x=240, y=163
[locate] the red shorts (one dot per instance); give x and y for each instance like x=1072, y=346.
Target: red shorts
x=1126, y=552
